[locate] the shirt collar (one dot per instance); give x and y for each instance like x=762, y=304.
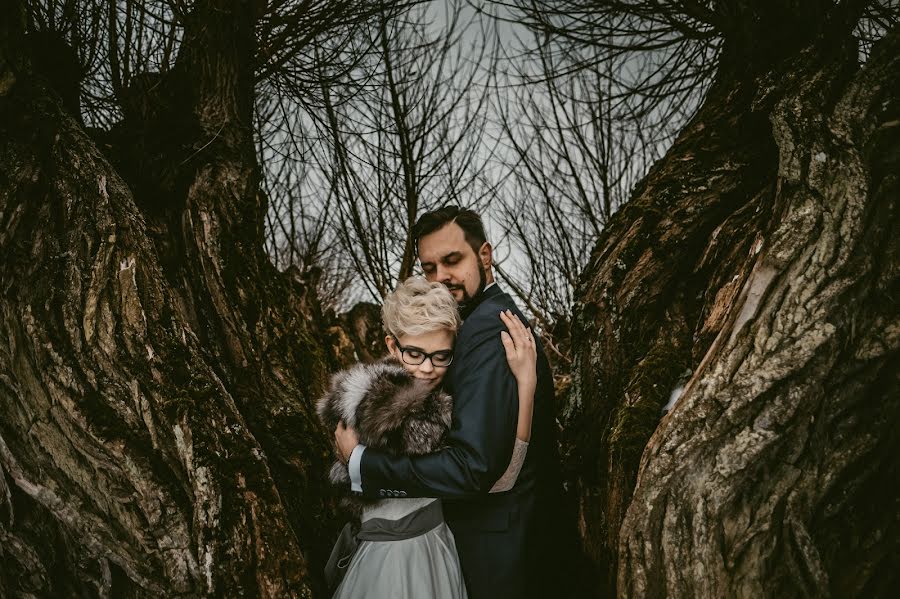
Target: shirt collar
x=464, y=313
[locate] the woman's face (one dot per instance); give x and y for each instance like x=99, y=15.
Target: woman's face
x=415, y=345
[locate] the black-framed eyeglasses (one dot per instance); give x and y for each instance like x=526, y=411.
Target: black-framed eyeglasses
x=415, y=356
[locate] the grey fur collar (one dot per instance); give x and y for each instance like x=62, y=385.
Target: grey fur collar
x=389, y=408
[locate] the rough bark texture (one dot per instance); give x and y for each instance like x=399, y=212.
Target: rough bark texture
x=364, y=330
x=157, y=376
x=755, y=266
x=654, y=291
x=768, y=477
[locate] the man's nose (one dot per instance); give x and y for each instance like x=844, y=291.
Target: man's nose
x=442, y=274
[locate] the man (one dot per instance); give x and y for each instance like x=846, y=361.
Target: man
x=501, y=538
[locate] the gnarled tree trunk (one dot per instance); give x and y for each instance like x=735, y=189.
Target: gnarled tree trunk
x=157, y=376
x=753, y=276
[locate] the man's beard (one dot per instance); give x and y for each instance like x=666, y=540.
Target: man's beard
x=469, y=301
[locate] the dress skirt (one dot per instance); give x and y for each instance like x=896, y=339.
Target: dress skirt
x=420, y=567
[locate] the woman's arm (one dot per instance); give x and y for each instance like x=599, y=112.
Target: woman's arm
x=521, y=353
x=526, y=411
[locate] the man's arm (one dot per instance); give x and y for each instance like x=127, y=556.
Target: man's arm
x=481, y=439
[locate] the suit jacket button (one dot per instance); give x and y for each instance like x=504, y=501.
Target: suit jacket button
x=402, y=493
x=381, y=492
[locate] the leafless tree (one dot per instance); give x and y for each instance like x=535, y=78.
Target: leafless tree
x=577, y=125
x=727, y=321
x=299, y=224
x=574, y=150
x=157, y=373
x=407, y=139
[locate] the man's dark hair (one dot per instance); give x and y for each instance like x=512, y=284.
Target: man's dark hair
x=468, y=221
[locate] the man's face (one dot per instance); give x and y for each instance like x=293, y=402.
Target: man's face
x=447, y=257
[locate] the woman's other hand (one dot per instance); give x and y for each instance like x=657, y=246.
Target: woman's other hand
x=521, y=350
x=521, y=353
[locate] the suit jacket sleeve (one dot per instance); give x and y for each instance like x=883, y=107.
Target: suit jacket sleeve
x=480, y=442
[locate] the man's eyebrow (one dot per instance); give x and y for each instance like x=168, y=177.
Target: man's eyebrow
x=452, y=255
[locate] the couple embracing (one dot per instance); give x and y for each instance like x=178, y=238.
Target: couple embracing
x=449, y=443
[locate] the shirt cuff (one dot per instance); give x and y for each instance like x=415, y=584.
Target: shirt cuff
x=354, y=467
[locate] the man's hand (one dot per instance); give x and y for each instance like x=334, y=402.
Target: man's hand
x=346, y=440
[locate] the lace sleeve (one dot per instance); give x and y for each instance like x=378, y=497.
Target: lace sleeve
x=506, y=482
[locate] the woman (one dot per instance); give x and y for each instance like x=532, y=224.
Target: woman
x=405, y=549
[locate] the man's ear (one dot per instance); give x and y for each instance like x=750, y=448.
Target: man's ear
x=486, y=255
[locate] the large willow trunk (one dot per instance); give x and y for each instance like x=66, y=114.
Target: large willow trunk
x=753, y=276
x=157, y=432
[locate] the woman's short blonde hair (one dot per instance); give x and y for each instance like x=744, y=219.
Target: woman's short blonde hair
x=417, y=307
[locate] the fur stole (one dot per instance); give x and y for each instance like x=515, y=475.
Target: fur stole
x=390, y=409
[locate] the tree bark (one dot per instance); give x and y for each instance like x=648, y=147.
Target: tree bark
x=157, y=376
x=755, y=267
x=767, y=479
